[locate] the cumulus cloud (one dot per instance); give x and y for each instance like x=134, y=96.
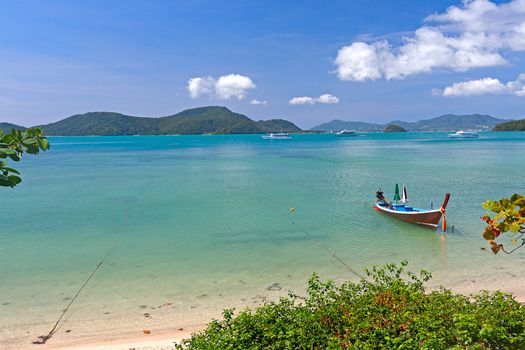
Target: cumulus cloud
x=327, y=99
x=486, y=86
x=200, y=86
x=306, y=100
x=303, y=100
x=258, y=102
x=226, y=87
x=233, y=85
x=468, y=36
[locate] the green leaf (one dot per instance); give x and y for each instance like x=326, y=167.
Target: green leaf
x=13, y=146
x=43, y=143
x=492, y=206
x=14, y=157
x=14, y=179
x=520, y=202
x=5, y=183
x=11, y=170
x=515, y=227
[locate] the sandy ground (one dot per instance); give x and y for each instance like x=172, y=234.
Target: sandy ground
x=156, y=340
x=160, y=341
x=114, y=333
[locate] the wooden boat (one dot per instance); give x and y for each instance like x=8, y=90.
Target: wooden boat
x=427, y=218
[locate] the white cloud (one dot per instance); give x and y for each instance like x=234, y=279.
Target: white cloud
x=306, y=100
x=474, y=34
x=327, y=99
x=486, y=86
x=200, y=86
x=226, y=87
x=233, y=85
x=258, y=102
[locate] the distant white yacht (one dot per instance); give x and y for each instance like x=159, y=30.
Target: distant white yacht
x=277, y=136
x=464, y=135
x=346, y=132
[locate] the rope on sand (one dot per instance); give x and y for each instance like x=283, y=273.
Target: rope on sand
x=44, y=338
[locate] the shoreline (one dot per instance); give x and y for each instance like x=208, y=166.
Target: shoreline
x=159, y=339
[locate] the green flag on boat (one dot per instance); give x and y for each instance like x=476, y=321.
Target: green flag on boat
x=396, y=194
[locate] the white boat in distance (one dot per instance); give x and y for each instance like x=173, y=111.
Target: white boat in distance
x=346, y=132
x=277, y=136
x=464, y=135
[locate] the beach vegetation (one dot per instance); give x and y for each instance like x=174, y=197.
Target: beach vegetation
x=12, y=146
x=389, y=309
x=505, y=219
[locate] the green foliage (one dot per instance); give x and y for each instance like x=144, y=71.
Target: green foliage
x=212, y=119
x=394, y=128
x=390, y=310
x=509, y=218
x=12, y=146
x=515, y=125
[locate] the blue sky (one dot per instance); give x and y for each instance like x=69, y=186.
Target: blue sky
x=371, y=59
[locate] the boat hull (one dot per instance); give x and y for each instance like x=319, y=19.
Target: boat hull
x=428, y=218
x=277, y=137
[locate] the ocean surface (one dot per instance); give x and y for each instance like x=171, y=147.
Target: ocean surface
x=204, y=222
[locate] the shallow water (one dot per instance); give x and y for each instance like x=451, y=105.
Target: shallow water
x=204, y=222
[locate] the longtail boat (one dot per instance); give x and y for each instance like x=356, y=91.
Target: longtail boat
x=402, y=211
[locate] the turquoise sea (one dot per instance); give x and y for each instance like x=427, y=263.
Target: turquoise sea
x=205, y=223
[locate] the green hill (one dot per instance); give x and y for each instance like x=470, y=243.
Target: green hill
x=394, y=128
x=277, y=125
x=212, y=119
x=447, y=122
x=101, y=123
x=216, y=120
x=515, y=125
x=6, y=127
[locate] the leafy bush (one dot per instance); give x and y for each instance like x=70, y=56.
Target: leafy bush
x=390, y=310
x=510, y=217
x=13, y=145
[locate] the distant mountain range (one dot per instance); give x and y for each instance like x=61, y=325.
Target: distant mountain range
x=447, y=122
x=220, y=120
x=212, y=119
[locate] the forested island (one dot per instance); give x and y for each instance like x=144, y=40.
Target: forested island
x=514, y=125
x=202, y=120
x=221, y=120
x=394, y=128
